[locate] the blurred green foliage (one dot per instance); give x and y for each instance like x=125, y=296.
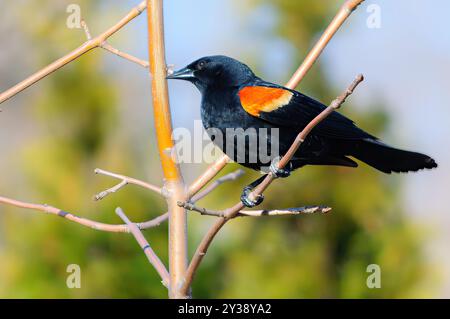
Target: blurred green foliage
x=289, y=257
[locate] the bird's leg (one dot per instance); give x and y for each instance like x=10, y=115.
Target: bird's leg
x=245, y=197
x=280, y=172
x=276, y=172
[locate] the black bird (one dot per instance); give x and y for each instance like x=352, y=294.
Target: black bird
x=241, y=112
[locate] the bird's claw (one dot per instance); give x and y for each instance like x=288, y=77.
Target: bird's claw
x=247, y=201
x=279, y=172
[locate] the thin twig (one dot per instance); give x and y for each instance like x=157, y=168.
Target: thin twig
x=208, y=174
x=125, y=180
x=149, y=252
x=258, y=213
x=84, y=48
x=286, y=212
x=111, y=190
x=203, y=211
x=226, y=178
x=155, y=222
x=119, y=228
x=108, y=47
x=234, y=211
x=115, y=228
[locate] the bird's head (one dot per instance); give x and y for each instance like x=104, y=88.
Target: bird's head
x=214, y=71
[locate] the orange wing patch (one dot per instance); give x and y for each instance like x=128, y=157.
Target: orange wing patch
x=256, y=99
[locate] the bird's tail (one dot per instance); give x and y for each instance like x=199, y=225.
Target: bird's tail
x=388, y=159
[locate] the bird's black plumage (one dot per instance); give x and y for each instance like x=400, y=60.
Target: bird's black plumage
x=233, y=97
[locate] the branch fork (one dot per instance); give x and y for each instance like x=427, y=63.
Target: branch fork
x=108, y=47
x=125, y=180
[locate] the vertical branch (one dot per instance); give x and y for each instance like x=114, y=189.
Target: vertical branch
x=174, y=185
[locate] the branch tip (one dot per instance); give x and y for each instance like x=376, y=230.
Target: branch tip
x=125, y=180
x=86, y=30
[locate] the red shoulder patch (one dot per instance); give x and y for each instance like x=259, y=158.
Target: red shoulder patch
x=256, y=99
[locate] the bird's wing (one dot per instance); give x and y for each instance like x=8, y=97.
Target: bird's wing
x=284, y=107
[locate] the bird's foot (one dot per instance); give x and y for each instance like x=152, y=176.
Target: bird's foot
x=279, y=172
x=251, y=202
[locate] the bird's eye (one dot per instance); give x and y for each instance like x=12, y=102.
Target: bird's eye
x=201, y=65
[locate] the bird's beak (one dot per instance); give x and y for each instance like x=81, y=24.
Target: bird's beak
x=183, y=74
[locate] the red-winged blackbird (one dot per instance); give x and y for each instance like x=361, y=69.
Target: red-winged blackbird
x=233, y=97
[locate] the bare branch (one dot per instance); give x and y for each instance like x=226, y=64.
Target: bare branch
x=111, y=190
x=149, y=252
x=125, y=180
x=108, y=47
x=203, y=211
x=337, y=102
x=257, y=213
x=75, y=54
x=120, y=228
x=234, y=211
x=347, y=8
x=226, y=178
x=285, y=212
x=208, y=175
x=155, y=222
